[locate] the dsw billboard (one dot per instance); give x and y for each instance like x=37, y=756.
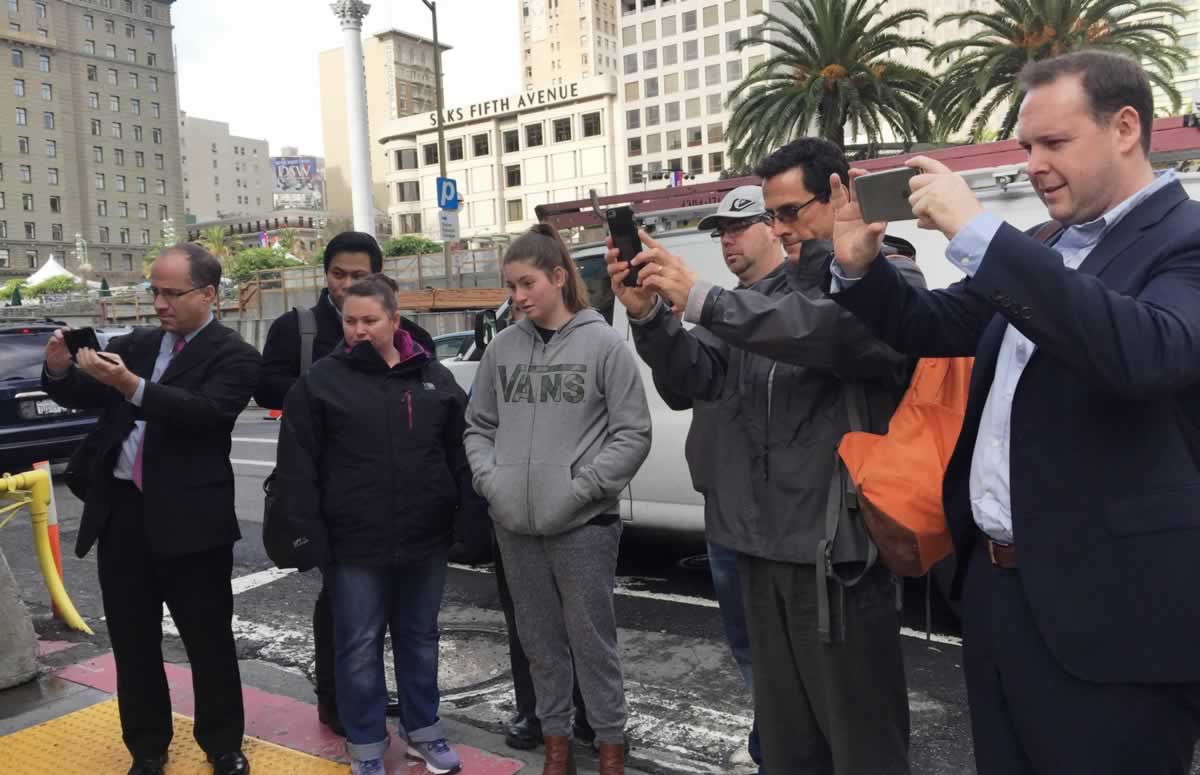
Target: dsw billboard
x=298, y=183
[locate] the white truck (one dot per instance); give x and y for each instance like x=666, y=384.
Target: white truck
x=661, y=495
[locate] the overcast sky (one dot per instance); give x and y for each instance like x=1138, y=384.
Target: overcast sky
x=253, y=63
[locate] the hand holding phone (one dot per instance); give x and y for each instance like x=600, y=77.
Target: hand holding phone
x=78, y=338
x=623, y=230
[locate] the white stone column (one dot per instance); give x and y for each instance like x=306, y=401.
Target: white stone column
x=351, y=13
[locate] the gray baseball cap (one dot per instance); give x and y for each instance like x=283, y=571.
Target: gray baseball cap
x=741, y=203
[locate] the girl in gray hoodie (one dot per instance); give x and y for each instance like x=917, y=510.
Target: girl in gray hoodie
x=557, y=426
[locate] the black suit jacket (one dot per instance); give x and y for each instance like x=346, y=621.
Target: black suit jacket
x=1105, y=444
x=190, y=412
x=281, y=353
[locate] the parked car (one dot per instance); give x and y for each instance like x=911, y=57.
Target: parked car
x=32, y=426
x=453, y=345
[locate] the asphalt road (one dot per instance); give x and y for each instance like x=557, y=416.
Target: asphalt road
x=689, y=711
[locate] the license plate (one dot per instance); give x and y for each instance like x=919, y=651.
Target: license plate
x=47, y=407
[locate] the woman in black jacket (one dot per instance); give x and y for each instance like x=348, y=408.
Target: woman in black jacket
x=371, y=464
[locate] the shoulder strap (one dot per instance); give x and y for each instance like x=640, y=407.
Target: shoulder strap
x=1046, y=232
x=308, y=334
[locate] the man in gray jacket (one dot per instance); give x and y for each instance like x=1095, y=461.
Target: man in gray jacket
x=829, y=684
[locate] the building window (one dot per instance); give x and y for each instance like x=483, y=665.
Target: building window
x=150, y=35
x=694, y=136
x=674, y=143
x=52, y=176
x=47, y=120
x=143, y=210
x=56, y=204
x=629, y=36
x=714, y=104
x=4, y=253
x=512, y=141
x=113, y=77
x=94, y=100
x=120, y=182
x=156, y=110
x=533, y=135
x=135, y=106
x=479, y=144
x=635, y=174
x=141, y=185
x=156, y=136
x=633, y=119
x=408, y=191
x=696, y=165
x=47, y=92
x=512, y=175
x=116, y=129
x=634, y=146
x=162, y=212
x=691, y=79
x=131, y=56
x=93, y=73
x=22, y=117
x=18, y=87
x=670, y=83
x=25, y=173
x=56, y=232
x=562, y=130
x=733, y=71
x=691, y=50
x=137, y=133
x=712, y=75
x=632, y=91
x=689, y=21
x=89, y=22
x=653, y=117
x=430, y=151
x=631, y=63
x=114, y=104
x=712, y=45
x=2, y=201
x=692, y=108
x=102, y=207
x=455, y=150
x=591, y=125
x=31, y=257
x=44, y=63
x=651, y=87
x=653, y=144
x=152, y=60
x=133, y=80
x=515, y=210
x=98, y=154
x=123, y=236
x=23, y=145
x=672, y=112
x=161, y=187
x=110, y=51
x=650, y=59
x=144, y=237
x=130, y=31
x=153, y=84
x=110, y=26
x=106, y=261
x=27, y=202
x=18, y=58
x=160, y=160
x=51, y=149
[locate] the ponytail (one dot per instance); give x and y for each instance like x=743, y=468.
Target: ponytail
x=543, y=247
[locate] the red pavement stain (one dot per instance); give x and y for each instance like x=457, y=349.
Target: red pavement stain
x=278, y=719
x=47, y=647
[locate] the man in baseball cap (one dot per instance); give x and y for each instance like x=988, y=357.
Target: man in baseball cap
x=743, y=227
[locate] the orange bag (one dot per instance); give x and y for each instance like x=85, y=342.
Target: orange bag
x=899, y=475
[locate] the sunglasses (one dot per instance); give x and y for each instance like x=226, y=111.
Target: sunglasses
x=788, y=213
x=736, y=228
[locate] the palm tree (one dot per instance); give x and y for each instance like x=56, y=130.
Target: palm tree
x=831, y=68
x=984, y=70
x=219, y=242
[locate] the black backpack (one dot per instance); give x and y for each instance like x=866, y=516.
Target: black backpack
x=285, y=546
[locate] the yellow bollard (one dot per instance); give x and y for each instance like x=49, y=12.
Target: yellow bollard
x=37, y=484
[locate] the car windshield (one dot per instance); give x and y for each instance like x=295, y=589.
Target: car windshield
x=21, y=356
x=448, y=348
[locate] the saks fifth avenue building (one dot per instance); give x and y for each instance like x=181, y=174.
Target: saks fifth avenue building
x=509, y=155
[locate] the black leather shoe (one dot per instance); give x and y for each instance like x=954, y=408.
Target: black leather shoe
x=233, y=763
x=148, y=766
x=328, y=715
x=524, y=733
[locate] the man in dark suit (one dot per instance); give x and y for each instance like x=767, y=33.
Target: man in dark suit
x=1072, y=493
x=158, y=497
x=349, y=257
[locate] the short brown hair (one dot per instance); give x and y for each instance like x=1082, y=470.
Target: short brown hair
x=544, y=248
x=380, y=287
x=204, y=269
x=1111, y=82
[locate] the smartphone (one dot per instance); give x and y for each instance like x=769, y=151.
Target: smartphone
x=883, y=196
x=624, y=232
x=77, y=338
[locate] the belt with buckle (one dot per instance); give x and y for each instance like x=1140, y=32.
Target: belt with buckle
x=1002, y=555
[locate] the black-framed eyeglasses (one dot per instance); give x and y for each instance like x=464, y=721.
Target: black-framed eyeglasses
x=789, y=212
x=173, y=294
x=737, y=228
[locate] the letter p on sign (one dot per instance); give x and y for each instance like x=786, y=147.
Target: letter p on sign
x=447, y=189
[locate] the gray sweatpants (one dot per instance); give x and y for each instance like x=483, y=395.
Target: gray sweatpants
x=562, y=589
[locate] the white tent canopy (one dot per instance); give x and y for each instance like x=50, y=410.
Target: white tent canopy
x=54, y=269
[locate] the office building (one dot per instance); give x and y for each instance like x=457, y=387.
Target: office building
x=399, y=76
x=564, y=41
x=224, y=175
x=508, y=155
x=89, y=136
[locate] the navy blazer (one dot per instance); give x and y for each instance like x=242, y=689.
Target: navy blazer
x=1105, y=449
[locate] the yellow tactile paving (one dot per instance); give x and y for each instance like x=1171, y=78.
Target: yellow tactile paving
x=88, y=742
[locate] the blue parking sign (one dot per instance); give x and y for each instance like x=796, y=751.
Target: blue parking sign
x=447, y=193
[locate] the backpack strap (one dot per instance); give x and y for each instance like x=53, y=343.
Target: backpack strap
x=1047, y=232
x=308, y=335
x=842, y=499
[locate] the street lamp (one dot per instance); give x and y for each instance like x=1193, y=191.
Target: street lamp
x=81, y=255
x=441, y=134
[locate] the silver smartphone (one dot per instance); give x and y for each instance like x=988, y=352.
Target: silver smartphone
x=883, y=196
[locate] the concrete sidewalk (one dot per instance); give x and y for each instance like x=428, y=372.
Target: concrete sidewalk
x=66, y=722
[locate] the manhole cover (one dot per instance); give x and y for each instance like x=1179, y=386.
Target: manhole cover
x=468, y=658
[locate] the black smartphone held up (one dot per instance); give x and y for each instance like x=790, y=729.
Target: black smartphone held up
x=883, y=196
x=624, y=232
x=78, y=338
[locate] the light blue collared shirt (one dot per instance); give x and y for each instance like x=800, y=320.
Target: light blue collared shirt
x=124, y=467
x=991, y=499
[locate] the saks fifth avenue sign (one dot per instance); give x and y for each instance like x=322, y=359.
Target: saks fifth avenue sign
x=538, y=98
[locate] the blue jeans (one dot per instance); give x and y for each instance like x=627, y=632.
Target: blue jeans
x=366, y=602
x=722, y=563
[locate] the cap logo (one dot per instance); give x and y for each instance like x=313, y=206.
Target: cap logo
x=741, y=204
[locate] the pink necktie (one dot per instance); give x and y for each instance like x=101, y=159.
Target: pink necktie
x=137, y=459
